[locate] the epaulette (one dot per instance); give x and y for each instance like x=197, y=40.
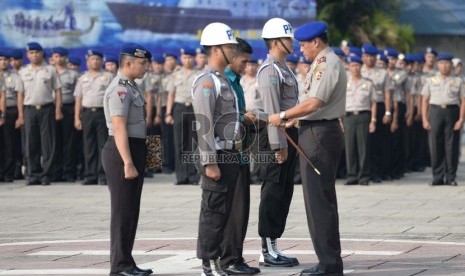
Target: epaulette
x=122, y=82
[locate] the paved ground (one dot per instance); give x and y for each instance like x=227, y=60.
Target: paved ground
x=394, y=228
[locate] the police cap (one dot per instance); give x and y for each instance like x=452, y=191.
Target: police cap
x=355, y=51
x=4, y=53
x=158, y=59
x=445, y=56
x=135, y=50
x=188, y=51
x=430, y=50
x=111, y=58
x=390, y=52
x=61, y=51
x=293, y=58
x=310, y=31
x=356, y=59
x=74, y=60
x=92, y=52
x=369, y=49
x=338, y=51
x=34, y=46
x=170, y=54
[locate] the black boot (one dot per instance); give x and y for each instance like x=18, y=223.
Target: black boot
x=274, y=244
x=212, y=268
x=269, y=257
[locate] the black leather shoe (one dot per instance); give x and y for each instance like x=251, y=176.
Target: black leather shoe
x=146, y=271
x=241, y=268
x=269, y=260
x=89, y=181
x=452, y=183
x=130, y=272
x=364, y=183
x=318, y=271
x=436, y=183
x=45, y=181
x=351, y=182
x=33, y=181
x=376, y=179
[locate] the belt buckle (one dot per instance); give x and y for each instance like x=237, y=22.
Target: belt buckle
x=443, y=106
x=93, y=109
x=38, y=107
x=187, y=104
x=356, y=112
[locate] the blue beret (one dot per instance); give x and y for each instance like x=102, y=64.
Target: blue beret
x=4, y=53
x=346, y=43
x=253, y=59
x=16, y=54
x=445, y=56
x=390, y=52
x=338, y=51
x=135, y=50
x=419, y=57
x=382, y=57
x=309, y=31
x=188, y=51
x=111, y=58
x=410, y=58
x=369, y=49
x=91, y=52
x=354, y=59
x=430, y=50
x=170, y=54
x=159, y=59
x=34, y=46
x=200, y=50
x=60, y=50
x=303, y=60
x=74, y=60
x=355, y=51
x=48, y=52
x=293, y=58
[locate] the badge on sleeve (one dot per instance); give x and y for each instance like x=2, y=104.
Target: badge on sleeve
x=273, y=79
x=321, y=60
x=318, y=73
x=207, y=88
x=122, y=95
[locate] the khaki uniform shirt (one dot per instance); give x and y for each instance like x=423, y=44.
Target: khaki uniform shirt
x=12, y=86
x=39, y=85
x=398, y=80
x=448, y=91
x=326, y=81
x=279, y=91
x=359, y=96
x=211, y=105
x=123, y=98
x=379, y=77
x=163, y=92
x=251, y=95
x=181, y=84
x=92, y=88
x=68, y=84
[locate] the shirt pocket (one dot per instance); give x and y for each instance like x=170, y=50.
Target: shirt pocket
x=454, y=91
x=45, y=77
x=137, y=100
x=289, y=85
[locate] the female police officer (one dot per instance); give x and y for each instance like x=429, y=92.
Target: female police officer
x=123, y=156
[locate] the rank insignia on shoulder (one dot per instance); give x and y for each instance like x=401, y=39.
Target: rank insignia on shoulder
x=122, y=82
x=122, y=95
x=321, y=60
x=207, y=88
x=273, y=79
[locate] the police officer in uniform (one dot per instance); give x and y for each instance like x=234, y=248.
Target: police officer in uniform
x=11, y=134
x=16, y=61
x=200, y=58
x=89, y=116
x=155, y=80
x=179, y=104
x=74, y=63
x=218, y=133
x=359, y=121
x=278, y=90
x=123, y=157
x=65, y=153
x=2, y=122
x=110, y=64
x=322, y=140
x=39, y=111
x=443, y=113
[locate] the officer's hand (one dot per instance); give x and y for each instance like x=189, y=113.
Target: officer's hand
x=409, y=121
x=290, y=123
x=372, y=128
x=212, y=171
x=19, y=122
x=157, y=120
x=169, y=120
x=58, y=115
x=458, y=125
x=281, y=155
x=387, y=119
x=417, y=118
x=2, y=121
x=130, y=171
x=426, y=125
x=249, y=118
x=394, y=126
x=274, y=120
x=78, y=124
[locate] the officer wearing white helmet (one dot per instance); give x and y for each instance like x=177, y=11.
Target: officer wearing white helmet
x=278, y=89
x=219, y=134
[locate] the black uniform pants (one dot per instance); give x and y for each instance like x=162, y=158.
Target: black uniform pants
x=168, y=142
x=380, y=145
x=94, y=136
x=65, y=159
x=184, y=142
x=11, y=142
x=40, y=140
x=398, y=144
x=277, y=187
x=236, y=226
x=125, y=201
x=215, y=209
x=444, y=142
x=322, y=142
x=420, y=146
x=357, y=146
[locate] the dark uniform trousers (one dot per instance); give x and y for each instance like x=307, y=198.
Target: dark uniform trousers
x=11, y=142
x=398, y=144
x=168, y=142
x=420, y=145
x=322, y=142
x=380, y=146
x=66, y=152
x=94, y=136
x=151, y=129
x=357, y=146
x=125, y=201
x=184, y=142
x=216, y=207
x=444, y=142
x=277, y=186
x=40, y=126
x=236, y=226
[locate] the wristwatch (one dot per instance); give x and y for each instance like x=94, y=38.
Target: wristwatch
x=388, y=113
x=282, y=115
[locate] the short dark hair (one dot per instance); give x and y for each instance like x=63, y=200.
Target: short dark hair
x=123, y=58
x=324, y=37
x=268, y=42
x=243, y=47
x=207, y=50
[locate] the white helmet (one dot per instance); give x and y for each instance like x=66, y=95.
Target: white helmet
x=217, y=34
x=276, y=28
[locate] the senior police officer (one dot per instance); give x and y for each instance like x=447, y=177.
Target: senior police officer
x=11, y=134
x=39, y=111
x=443, y=114
x=322, y=140
x=65, y=152
x=179, y=104
x=123, y=157
x=218, y=133
x=89, y=116
x=278, y=90
x=360, y=120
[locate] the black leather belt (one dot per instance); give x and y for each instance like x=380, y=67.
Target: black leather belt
x=310, y=122
x=350, y=113
x=92, y=109
x=444, y=106
x=39, y=107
